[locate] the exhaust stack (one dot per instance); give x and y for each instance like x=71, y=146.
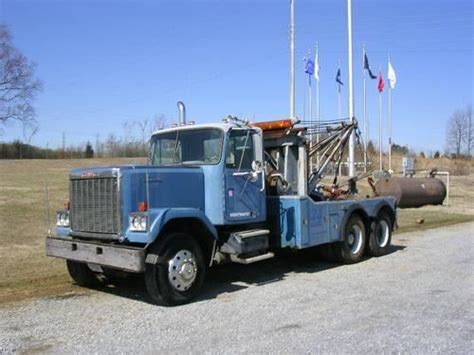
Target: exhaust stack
x=182, y=113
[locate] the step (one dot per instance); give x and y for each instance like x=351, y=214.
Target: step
x=251, y=233
x=252, y=259
x=247, y=242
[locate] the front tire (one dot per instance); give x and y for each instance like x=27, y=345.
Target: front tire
x=351, y=249
x=82, y=274
x=381, y=235
x=176, y=272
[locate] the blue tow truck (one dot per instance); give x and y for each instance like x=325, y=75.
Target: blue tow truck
x=213, y=193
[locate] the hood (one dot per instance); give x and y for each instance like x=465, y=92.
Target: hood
x=159, y=187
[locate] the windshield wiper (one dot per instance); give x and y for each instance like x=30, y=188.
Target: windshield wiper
x=244, y=150
x=176, y=146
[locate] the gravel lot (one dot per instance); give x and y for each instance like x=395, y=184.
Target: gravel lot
x=419, y=299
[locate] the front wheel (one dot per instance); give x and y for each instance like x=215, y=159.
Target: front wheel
x=83, y=275
x=351, y=249
x=175, y=270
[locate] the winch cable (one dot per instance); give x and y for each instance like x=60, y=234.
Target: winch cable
x=330, y=146
x=359, y=176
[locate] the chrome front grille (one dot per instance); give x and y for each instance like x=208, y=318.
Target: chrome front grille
x=95, y=205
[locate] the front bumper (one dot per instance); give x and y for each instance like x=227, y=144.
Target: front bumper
x=115, y=256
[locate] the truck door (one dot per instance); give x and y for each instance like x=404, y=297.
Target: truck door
x=244, y=177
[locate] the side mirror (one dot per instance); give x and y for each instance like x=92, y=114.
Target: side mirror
x=257, y=166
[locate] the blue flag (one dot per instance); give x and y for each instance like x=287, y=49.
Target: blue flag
x=338, y=77
x=367, y=67
x=309, y=67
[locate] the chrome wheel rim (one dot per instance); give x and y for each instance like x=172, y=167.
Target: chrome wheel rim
x=182, y=270
x=354, y=239
x=383, y=233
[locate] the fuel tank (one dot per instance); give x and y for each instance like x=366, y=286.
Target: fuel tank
x=412, y=192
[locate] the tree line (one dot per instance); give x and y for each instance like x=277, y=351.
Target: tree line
x=133, y=143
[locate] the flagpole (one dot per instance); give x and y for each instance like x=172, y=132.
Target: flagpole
x=339, y=108
x=389, y=124
x=351, y=89
x=380, y=126
x=310, y=119
x=318, y=113
x=292, y=60
x=366, y=124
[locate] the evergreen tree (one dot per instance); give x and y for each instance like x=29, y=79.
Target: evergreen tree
x=89, y=153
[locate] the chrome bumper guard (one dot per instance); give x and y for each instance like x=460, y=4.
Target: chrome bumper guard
x=120, y=257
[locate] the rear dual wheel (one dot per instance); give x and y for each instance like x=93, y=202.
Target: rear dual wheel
x=351, y=249
x=381, y=235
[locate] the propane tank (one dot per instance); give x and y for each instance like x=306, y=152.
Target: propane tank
x=412, y=192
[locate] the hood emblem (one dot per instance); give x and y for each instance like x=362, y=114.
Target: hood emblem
x=88, y=174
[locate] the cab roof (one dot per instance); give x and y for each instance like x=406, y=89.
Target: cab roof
x=225, y=126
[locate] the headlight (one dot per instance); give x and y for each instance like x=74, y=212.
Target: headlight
x=138, y=222
x=143, y=223
x=62, y=218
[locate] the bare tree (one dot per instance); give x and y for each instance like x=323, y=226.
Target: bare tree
x=29, y=131
x=456, y=133
x=158, y=122
x=143, y=125
x=112, y=145
x=127, y=136
x=18, y=85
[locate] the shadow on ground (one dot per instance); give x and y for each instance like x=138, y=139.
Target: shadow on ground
x=229, y=278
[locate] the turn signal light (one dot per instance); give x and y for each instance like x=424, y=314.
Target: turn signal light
x=143, y=206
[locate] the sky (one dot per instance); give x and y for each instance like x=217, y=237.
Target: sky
x=104, y=63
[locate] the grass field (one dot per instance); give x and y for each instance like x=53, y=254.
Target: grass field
x=26, y=273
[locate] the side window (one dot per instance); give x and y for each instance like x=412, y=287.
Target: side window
x=240, y=150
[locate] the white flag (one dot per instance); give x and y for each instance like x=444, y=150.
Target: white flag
x=392, y=77
x=316, y=66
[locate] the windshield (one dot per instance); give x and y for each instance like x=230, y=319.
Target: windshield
x=190, y=146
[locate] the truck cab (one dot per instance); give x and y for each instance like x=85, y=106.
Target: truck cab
x=210, y=193
x=230, y=160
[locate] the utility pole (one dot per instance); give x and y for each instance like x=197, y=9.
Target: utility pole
x=292, y=60
x=318, y=111
x=469, y=130
x=97, y=148
x=351, y=90
x=310, y=94
x=380, y=125
x=389, y=124
x=366, y=123
x=64, y=145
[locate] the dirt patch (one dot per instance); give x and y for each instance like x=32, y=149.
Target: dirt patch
x=25, y=271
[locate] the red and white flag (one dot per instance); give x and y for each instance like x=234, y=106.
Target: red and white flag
x=381, y=85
